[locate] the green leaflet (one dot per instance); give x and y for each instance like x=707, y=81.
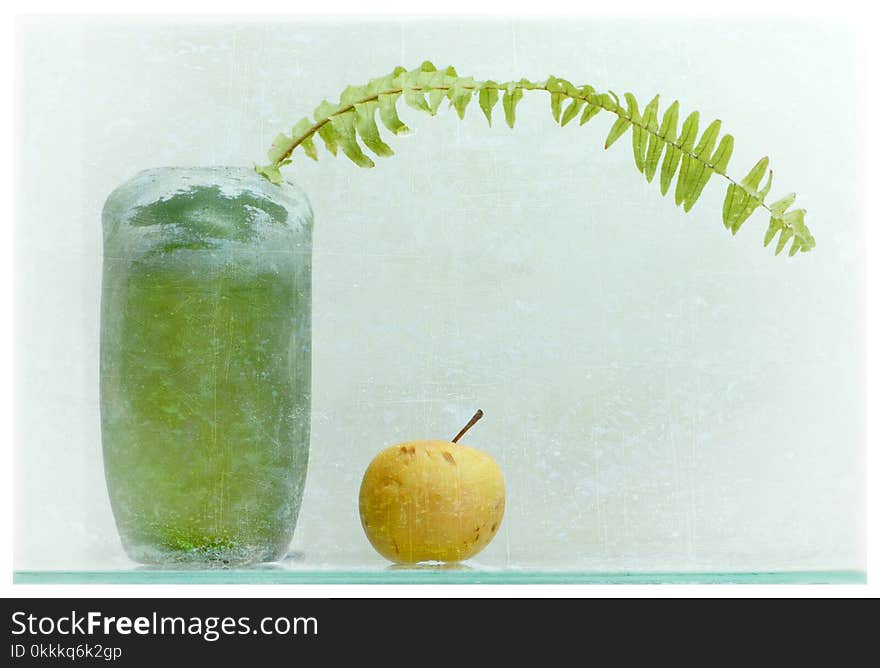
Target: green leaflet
x=689, y=130
x=460, y=95
x=273, y=173
x=325, y=130
x=388, y=113
x=353, y=94
x=590, y=112
x=696, y=172
x=779, y=206
x=706, y=145
x=325, y=110
x=301, y=133
x=366, y=128
x=722, y=154
x=557, y=94
x=655, y=143
x=639, y=133
x=435, y=97
x=512, y=95
x=738, y=206
x=784, y=236
x=755, y=176
x=772, y=229
x=668, y=128
x=670, y=164
x=556, y=105
x=620, y=126
x=742, y=199
x=623, y=122
x=680, y=154
x=308, y=146
x=413, y=93
x=804, y=240
x=488, y=99
x=344, y=124
x=385, y=83
x=416, y=99
x=328, y=135
x=560, y=90
x=572, y=110
x=438, y=85
x=706, y=163
x=280, y=147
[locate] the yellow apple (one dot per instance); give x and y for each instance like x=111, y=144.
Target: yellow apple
x=431, y=500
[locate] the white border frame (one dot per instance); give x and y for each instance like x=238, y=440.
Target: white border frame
x=862, y=21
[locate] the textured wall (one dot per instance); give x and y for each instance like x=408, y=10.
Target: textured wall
x=658, y=395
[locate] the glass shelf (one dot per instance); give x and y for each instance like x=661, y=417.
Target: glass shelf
x=425, y=575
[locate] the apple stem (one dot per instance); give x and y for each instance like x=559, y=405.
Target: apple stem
x=470, y=424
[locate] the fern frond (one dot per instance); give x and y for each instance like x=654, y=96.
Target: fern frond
x=682, y=155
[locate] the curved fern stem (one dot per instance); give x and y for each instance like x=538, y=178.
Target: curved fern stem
x=690, y=157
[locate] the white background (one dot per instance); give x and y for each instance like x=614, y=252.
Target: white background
x=769, y=489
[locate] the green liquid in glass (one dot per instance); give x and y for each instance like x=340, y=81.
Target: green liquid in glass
x=205, y=364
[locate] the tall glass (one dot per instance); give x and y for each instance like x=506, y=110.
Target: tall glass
x=206, y=363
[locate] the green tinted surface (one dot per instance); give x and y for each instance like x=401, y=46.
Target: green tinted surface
x=204, y=213
x=428, y=576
